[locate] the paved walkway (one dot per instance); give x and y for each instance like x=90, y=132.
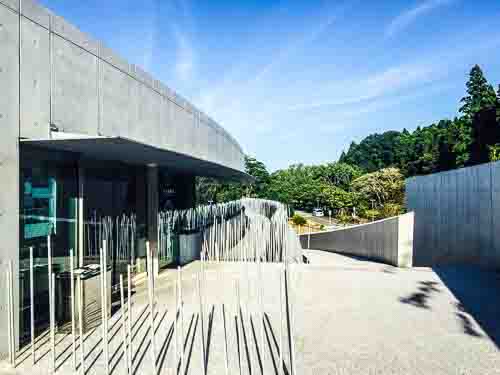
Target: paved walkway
x=351, y=316
x=365, y=318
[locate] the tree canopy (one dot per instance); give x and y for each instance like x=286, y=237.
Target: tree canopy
x=368, y=179
x=471, y=138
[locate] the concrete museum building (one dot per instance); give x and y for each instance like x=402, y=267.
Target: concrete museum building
x=85, y=135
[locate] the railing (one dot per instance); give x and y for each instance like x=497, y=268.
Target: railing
x=120, y=234
x=243, y=230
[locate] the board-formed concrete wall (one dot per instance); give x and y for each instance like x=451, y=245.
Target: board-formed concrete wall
x=457, y=216
x=389, y=240
x=9, y=161
x=55, y=77
x=79, y=86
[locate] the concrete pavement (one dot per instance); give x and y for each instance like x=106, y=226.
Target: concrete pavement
x=362, y=317
x=350, y=316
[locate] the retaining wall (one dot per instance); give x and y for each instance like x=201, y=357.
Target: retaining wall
x=389, y=240
x=457, y=216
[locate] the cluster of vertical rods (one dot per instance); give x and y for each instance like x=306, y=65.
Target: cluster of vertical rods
x=259, y=235
x=125, y=318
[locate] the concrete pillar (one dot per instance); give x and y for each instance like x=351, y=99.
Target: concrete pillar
x=152, y=214
x=141, y=212
x=9, y=166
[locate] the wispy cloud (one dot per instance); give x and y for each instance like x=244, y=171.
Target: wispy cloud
x=409, y=16
x=256, y=82
x=377, y=85
x=184, y=64
x=182, y=29
x=150, y=30
x=329, y=17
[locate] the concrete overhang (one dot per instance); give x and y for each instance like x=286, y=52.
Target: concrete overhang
x=136, y=153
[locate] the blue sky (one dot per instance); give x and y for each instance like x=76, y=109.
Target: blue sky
x=297, y=81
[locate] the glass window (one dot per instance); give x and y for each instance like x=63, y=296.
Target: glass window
x=48, y=202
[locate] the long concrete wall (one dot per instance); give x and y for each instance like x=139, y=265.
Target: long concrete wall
x=457, y=216
x=78, y=85
x=389, y=240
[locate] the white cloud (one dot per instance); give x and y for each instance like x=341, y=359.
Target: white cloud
x=184, y=64
x=411, y=15
x=149, y=31
x=380, y=84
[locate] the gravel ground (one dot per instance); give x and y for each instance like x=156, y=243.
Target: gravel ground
x=349, y=316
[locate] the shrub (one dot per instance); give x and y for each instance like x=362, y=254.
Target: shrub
x=344, y=218
x=372, y=214
x=391, y=209
x=298, y=220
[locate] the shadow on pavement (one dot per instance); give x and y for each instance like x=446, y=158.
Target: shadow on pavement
x=423, y=294
x=478, y=293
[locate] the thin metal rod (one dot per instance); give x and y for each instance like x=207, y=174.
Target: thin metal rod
x=129, y=316
x=309, y=237
x=53, y=324
x=202, y=336
x=226, y=359
x=10, y=324
x=51, y=305
x=151, y=306
x=261, y=302
x=105, y=306
x=176, y=325
x=291, y=327
x=124, y=329
x=181, y=301
x=103, y=299
x=72, y=286
x=281, y=283
x=240, y=318
x=80, y=325
x=32, y=307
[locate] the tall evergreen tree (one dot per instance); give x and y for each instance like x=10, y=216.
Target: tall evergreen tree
x=480, y=94
x=498, y=106
x=478, y=106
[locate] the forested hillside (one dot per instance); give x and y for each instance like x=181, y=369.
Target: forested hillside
x=368, y=181
x=471, y=138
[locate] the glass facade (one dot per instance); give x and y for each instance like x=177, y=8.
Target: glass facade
x=48, y=202
x=115, y=208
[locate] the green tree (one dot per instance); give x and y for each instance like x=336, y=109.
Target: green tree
x=338, y=174
x=211, y=189
x=374, y=152
x=258, y=170
x=337, y=198
x=381, y=187
x=480, y=94
x=479, y=108
x=498, y=106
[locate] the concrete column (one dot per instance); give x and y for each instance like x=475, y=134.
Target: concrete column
x=152, y=214
x=9, y=166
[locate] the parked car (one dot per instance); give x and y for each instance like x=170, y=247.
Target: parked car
x=318, y=212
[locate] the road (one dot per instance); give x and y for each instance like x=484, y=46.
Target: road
x=325, y=220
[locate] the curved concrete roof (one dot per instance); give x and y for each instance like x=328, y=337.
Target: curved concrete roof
x=73, y=84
